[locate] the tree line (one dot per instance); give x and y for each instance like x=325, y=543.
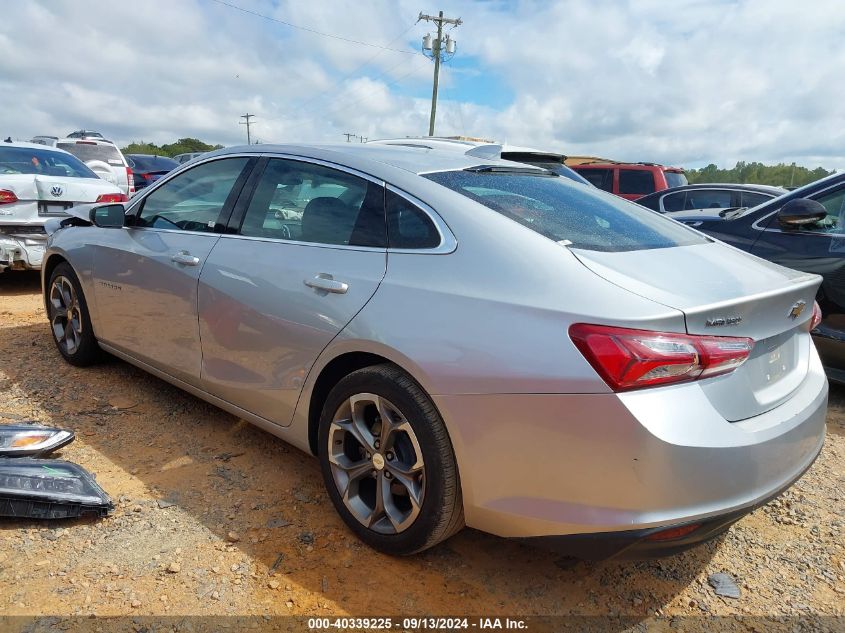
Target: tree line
x=182, y=146
x=781, y=175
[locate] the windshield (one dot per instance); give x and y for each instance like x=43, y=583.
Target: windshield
x=87, y=151
x=27, y=160
x=577, y=216
x=675, y=179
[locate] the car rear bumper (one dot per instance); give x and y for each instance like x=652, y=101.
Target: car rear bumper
x=21, y=253
x=535, y=465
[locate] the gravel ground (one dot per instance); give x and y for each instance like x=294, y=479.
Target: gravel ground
x=214, y=516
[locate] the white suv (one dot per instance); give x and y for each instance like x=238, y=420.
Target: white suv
x=104, y=158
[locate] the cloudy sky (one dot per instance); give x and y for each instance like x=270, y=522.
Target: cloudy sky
x=678, y=82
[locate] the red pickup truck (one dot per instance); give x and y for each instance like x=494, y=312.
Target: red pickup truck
x=631, y=180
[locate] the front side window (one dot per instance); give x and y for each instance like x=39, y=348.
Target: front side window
x=193, y=200
x=573, y=215
x=751, y=199
x=636, y=181
x=305, y=202
x=675, y=179
x=708, y=199
x=834, y=222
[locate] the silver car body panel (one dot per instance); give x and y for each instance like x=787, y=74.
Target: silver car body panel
x=543, y=445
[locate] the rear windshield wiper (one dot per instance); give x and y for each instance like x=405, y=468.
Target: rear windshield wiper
x=502, y=169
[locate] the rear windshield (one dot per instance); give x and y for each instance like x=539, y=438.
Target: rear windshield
x=577, y=216
x=674, y=179
x=91, y=151
x=26, y=160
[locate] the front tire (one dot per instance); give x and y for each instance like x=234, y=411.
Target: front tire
x=387, y=462
x=70, y=321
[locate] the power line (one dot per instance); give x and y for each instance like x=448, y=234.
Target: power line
x=314, y=31
x=247, y=116
x=441, y=50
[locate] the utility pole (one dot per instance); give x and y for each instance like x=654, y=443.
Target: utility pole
x=349, y=135
x=247, y=116
x=438, y=50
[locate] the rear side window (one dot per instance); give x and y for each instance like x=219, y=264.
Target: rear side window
x=601, y=178
x=408, y=226
x=674, y=201
x=636, y=181
x=193, y=200
x=568, y=213
x=305, y=202
x=87, y=151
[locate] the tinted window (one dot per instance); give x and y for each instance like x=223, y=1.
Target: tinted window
x=25, y=160
x=193, y=200
x=834, y=203
x=750, y=199
x=90, y=150
x=409, y=226
x=144, y=162
x=601, y=178
x=565, y=212
x=635, y=181
x=709, y=199
x=305, y=202
x=674, y=201
x=674, y=179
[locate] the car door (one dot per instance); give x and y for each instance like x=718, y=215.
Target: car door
x=308, y=251
x=146, y=274
x=817, y=248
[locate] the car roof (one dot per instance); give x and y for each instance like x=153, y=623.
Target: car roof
x=604, y=164
x=477, y=148
x=776, y=191
x=415, y=158
x=88, y=141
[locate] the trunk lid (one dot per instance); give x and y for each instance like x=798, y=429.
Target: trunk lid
x=53, y=195
x=725, y=292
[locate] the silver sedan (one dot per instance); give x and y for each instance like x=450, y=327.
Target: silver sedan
x=459, y=340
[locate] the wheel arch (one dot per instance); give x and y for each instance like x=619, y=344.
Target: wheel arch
x=47, y=268
x=345, y=360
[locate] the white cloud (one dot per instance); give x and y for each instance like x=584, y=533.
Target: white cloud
x=682, y=83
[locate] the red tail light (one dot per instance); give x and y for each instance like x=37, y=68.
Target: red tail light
x=86, y=142
x=7, y=197
x=814, y=322
x=131, y=180
x=112, y=197
x=631, y=359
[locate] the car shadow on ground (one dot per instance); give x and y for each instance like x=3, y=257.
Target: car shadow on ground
x=17, y=283
x=153, y=445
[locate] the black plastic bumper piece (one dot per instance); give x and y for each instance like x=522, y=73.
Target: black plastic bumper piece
x=636, y=544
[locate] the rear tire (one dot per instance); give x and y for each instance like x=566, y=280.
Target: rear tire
x=395, y=484
x=70, y=321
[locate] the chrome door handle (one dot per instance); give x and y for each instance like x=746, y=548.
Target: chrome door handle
x=327, y=283
x=184, y=257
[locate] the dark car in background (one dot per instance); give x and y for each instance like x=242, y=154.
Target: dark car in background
x=710, y=196
x=805, y=230
x=148, y=168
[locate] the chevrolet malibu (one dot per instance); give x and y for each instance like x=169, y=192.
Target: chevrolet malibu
x=460, y=340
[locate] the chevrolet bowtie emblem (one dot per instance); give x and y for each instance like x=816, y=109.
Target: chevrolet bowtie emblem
x=796, y=310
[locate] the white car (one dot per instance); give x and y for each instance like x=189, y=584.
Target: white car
x=104, y=158
x=38, y=183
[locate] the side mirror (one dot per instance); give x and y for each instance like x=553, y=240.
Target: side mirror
x=108, y=216
x=801, y=212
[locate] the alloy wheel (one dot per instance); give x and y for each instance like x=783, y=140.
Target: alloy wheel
x=376, y=463
x=66, y=316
